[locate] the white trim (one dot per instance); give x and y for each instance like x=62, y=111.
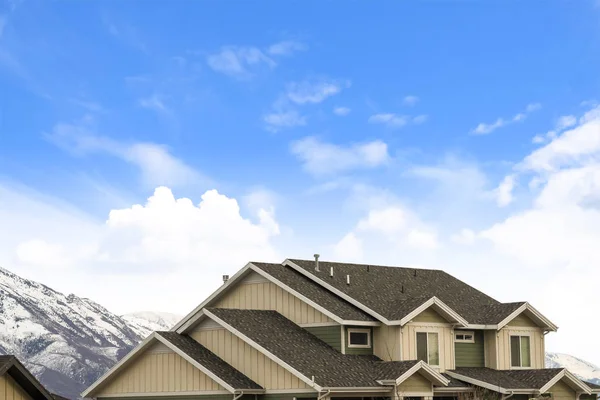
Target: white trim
x=434, y=301
x=341, y=294
x=359, y=330
x=318, y=324
x=289, y=391
x=464, y=333
x=477, y=382
x=158, y=394
x=118, y=365
x=566, y=374
x=520, y=366
x=258, y=347
x=189, y=319
x=453, y=389
x=421, y=365
x=528, y=307
x=417, y=331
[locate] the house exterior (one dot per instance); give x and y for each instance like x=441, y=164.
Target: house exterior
x=308, y=329
x=17, y=383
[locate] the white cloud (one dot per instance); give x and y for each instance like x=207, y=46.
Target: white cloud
x=154, y=103
x=314, y=91
x=464, y=236
x=155, y=162
x=341, y=111
x=278, y=120
x=239, y=62
x=486, y=128
x=566, y=121
x=348, y=248
x=152, y=244
x=389, y=119
x=410, y=100
x=504, y=191
x=286, y=48
x=322, y=158
x=420, y=119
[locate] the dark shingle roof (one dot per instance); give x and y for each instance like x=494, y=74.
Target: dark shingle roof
x=5, y=363
x=511, y=379
x=314, y=292
x=210, y=360
x=309, y=355
x=379, y=288
x=11, y=365
x=592, y=385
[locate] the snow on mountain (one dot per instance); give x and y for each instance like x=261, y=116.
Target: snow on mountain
x=65, y=340
x=583, y=369
x=146, y=322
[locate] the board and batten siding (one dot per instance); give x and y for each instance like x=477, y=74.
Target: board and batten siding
x=490, y=346
x=470, y=354
x=247, y=360
x=159, y=371
x=386, y=342
x=522, y=320
x=358, y=351
x=416, y=383
x=429, y=321
x=10, y=390
x=332, y=335
x=257, y=293
x=562, y=391
x=536, y=343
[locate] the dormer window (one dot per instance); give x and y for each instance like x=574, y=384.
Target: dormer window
x=359, y=338
x=464, y=337
x=520, y=352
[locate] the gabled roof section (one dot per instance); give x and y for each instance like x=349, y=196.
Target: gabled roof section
x=532, y=313
x=309, y=357
x=211, y=361
x=524, y=381
x=10, y=365
x=399, y=371
x=193, y=352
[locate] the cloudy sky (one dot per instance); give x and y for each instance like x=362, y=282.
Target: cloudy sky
x=146, y=151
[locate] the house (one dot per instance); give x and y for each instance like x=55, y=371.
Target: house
x=308, y=329
x=17, y=383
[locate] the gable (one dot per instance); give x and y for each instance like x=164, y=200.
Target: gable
x=430, y=315
x=562, y=391
x=522, y=320
x=10, y=390
x=248, y=360
x=159, y=370
x=416, y=383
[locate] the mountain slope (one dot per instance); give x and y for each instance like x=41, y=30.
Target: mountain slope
x=583, y=369
x=146, y=322
x=65, y=340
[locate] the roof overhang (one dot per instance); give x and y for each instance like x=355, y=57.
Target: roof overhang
x=25, y=379
x=532, y=313
x=571, y=380
x=154, y=338
x=439, y=306
x=422, y=368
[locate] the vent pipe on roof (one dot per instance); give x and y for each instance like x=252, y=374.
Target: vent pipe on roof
x=402, y=289
x=415, y=272
x=347, y=279
x=331, y=272
x=225, y=278
x=368, y=268
x=317, y=262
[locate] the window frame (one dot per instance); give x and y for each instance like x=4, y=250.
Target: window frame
x=439, y=356
x=472, y=333
x=520, y=352
x=358, y=330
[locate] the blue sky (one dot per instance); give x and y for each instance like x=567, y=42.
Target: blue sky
x=446, y=134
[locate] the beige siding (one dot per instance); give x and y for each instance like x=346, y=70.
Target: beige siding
x=248, y=360
x=386, y=342
x=10, y=390
x=263, y=295
x=490, y=340
x=159, y=372
x=562, y=391
x=429, y=315
x=446, y=339
x=415, y=384
x=536, y=343
x=523, y=320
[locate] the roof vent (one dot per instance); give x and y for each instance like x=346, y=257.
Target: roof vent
x=347, y=279
x=317, y=262
x=402, y=289
x=225, y=278
x=331, y=272
x=368, y=268
x=415, y=272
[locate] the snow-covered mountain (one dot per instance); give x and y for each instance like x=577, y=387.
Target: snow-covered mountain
x=65, y=340
x=583, y=369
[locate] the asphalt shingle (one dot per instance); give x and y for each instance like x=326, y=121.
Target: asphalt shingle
x=511, y=379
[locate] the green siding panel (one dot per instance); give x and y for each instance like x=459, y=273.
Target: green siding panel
x=470, y=354
x=588, y=397
x=332, y=335
x=354, y=350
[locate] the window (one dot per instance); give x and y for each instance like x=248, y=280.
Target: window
x=428, y=348
x=520, y=352
x=464, y=337
x=359, y=338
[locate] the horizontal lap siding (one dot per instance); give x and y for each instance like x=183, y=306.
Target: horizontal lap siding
x=561, y=391
x=358, y=351
x=268, y=296
x=163, y=372
x=470, y=354
x=247, y=360
x=415, y=384
x=332, y=335
x=10, y=390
